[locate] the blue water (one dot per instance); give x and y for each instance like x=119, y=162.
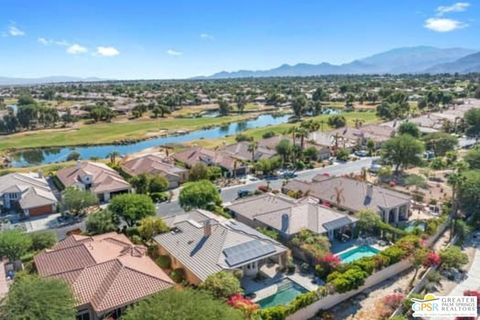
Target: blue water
x=412, y=225
x=51, y=155
x=288, y=291
x=358, y=253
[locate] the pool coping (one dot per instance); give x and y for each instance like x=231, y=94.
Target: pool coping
x=273, y=289
x=374, y=246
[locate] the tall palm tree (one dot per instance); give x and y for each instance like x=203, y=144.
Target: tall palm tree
x=252, y=147
x=456, y=180
x=113, y=156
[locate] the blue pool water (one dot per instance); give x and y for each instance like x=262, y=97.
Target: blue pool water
x=287, y=291
x=415, y=225
x=50, y=155
x=358, y=253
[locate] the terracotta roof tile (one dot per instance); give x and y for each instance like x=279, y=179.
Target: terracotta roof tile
x=105, y=271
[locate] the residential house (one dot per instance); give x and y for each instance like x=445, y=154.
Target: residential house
x=353, y=195
x=156, y=165
x=243, y=152
x=106, y=273
x=359, y=136
x=289, y=216
x=272, y=142
x=29, y=193
x=230, y=165
x=97, y=177
x=202, y=244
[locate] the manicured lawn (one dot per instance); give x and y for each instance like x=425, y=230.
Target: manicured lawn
x=108, y=132
x=257, y=133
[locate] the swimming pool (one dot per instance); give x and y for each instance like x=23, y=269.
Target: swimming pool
x=286, y=292
x=357, y=253
x=412, y=225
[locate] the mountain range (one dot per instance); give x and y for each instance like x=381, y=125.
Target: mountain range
x=420, y=59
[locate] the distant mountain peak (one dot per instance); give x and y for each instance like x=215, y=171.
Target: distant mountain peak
x=415, y=59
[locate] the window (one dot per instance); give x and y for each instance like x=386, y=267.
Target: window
x=83, y=315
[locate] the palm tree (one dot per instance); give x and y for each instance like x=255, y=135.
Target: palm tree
x=339, y=198
x=455, y=180
x=302, y=132
x=113, y=156
x=252, y=147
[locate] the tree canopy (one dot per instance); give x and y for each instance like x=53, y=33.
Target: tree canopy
x=403, y=151
x=31, y=297
x=472, y=120
x=132, y=207
x=185, y=304
x=199, y=194
x=222, y=285
x=75, y=201
x=409, y=128
x=14, y=244
x=102, y=221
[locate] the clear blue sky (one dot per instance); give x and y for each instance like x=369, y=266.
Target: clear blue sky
x=183, y=38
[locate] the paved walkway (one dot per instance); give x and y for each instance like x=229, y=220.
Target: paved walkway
x=472, y=281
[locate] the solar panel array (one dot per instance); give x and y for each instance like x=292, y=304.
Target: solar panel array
x=247, y=251
x=335, y=224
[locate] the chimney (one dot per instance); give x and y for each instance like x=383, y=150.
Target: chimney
x=78, y=164
x=369, y=190
x=207, y=228
x=40, y=174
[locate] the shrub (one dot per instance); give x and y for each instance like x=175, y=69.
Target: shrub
x=43, y=240
x=178, y=275
x=367, y=264
x=149, y=227
x=432, y=259
x=238, y=301
x=222, y=285
x=164, y=262
x=159, y=196
x=453, y=257
x=394, y=300
x=269, y=233
x=393, y=254
x=351, y=279
x=342, y=154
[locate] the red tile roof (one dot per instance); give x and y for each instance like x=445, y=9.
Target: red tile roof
x=106, y=271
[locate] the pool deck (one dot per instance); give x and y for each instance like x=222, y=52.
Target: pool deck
x=268, y=287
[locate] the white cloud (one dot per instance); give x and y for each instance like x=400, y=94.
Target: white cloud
x=107, y=51
x=48, y=42
x=76, y=49
x=174, y=52
x=443, y=24
x=13, y=31
x=207, y=36
x=456, y=7
x=43, y=41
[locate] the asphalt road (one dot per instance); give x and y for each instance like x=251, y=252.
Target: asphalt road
x=229, y=194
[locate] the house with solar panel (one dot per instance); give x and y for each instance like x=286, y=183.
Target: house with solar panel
x=202, y=243
x=289, y=216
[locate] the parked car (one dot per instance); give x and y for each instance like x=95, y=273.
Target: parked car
x=361, y=153
x=375, y=167
x=243, y=193
x=262, y=188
